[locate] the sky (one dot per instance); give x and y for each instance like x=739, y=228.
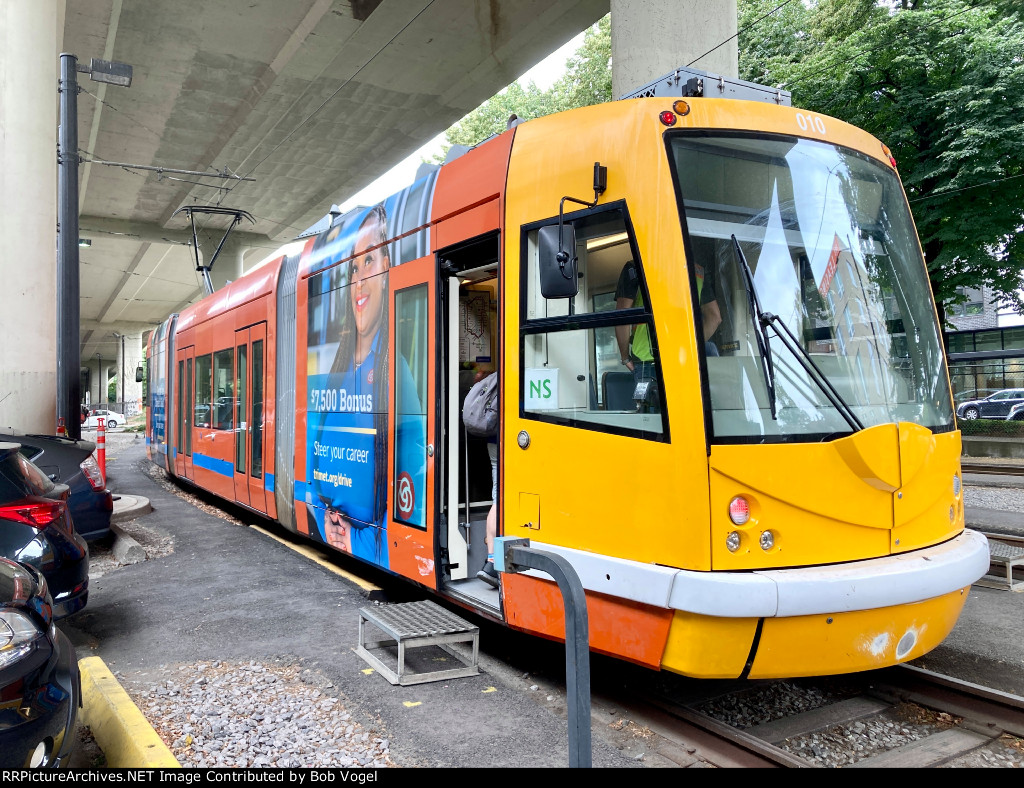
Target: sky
x=544, y=74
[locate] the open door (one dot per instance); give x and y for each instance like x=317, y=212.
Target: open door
x=182, y=450
x=250, y=385
x=412, y=427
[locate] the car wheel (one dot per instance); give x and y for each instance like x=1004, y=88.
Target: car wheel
x=111, y=424
x=970, y=414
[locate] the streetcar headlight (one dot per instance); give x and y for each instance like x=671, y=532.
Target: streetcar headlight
x=732, y=541
x=767, y=540
x=739, y=510
x=956, y=485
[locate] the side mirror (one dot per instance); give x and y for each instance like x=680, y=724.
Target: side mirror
x=557, y=261
x=140, y=374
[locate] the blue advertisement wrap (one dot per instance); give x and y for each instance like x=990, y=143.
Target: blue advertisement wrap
x=348, y=379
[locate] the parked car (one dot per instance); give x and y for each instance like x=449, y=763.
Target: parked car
x=1016, y=412
x=72, y=463
x=973, y=394
x=40, y=685
x=111, y=419
x=994, y=406
x=36, y=529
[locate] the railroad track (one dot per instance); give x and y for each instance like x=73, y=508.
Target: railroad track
x=897, y=717
x=988, y=468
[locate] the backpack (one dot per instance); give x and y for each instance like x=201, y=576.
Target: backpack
x=480, y=410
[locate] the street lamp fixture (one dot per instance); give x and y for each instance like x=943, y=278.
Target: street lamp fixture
x=108, y=71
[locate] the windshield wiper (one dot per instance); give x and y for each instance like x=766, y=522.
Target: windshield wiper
x=766, y=319
x=814, y=371
x=763, y=345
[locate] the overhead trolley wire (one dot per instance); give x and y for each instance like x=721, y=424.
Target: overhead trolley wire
x=742, y=30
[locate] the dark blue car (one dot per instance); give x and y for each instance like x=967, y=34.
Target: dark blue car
x=40, y=685
x=72, y=463
x=36, y=529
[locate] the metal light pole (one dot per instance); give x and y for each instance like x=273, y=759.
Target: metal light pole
x=69, y=359
x=68, y=347
x=124, y=392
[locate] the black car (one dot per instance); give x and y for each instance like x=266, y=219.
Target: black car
x=36, y=529
x=994, y=406
x=72, y=463
x=40, y=686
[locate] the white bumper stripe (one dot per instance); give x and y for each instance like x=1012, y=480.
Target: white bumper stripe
x=837, y=588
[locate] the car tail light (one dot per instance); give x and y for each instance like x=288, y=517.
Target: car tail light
x=37, y=512
x=91, y=469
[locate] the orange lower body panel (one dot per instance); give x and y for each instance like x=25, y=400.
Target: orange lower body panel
x=627, y=630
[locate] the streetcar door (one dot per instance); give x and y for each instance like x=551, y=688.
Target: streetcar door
x=250, y=352
x=412, y=426
x=183, y=391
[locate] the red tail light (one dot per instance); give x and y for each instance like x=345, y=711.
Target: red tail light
x=91, y=469
x=37, y=512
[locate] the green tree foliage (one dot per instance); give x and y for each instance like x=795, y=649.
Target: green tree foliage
x=941, y=82
x=587, y=80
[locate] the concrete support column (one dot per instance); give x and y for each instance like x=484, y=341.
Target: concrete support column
x=99, y=373
x=650, y=38
x=31, y=33
x=129, y=355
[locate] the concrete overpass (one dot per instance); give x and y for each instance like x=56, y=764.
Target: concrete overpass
x=311, y=99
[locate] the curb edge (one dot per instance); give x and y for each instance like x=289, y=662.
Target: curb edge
x=120, y=729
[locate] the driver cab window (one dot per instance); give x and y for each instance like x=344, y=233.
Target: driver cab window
x=591, y=361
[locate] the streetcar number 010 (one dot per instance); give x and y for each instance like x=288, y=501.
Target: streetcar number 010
x=810, y=123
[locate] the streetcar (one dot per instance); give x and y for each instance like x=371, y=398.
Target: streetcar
x=724, y=398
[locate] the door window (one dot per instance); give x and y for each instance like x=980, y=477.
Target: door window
x=240, y=403
x=204, y=418
x=410, y=411
x=181, y=404
x=224, y=389
x=189, y=393
x=256, y=460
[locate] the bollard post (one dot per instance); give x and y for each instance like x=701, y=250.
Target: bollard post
x=61, y=429
x=101, y=447
x=514, y=554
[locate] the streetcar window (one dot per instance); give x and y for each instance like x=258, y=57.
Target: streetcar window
x=604, y=374
x=203, y=417
x=181, y=405
x=224, y=389
x=240, y=403
x=824, y=236
x=256, y=457
x=189, y=393
x=409, y=464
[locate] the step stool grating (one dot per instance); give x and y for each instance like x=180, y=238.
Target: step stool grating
x=1008, y=556
x=416, y=625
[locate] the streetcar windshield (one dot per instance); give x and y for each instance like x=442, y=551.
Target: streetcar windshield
x=828, y=238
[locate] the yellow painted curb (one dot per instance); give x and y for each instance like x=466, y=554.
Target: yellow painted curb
x=319, y=557
x=127, y=739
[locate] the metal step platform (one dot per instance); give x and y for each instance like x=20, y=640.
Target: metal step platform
x=413, y=625
x=1008, y=556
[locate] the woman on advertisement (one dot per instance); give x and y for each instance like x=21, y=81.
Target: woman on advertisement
x=350, y=434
